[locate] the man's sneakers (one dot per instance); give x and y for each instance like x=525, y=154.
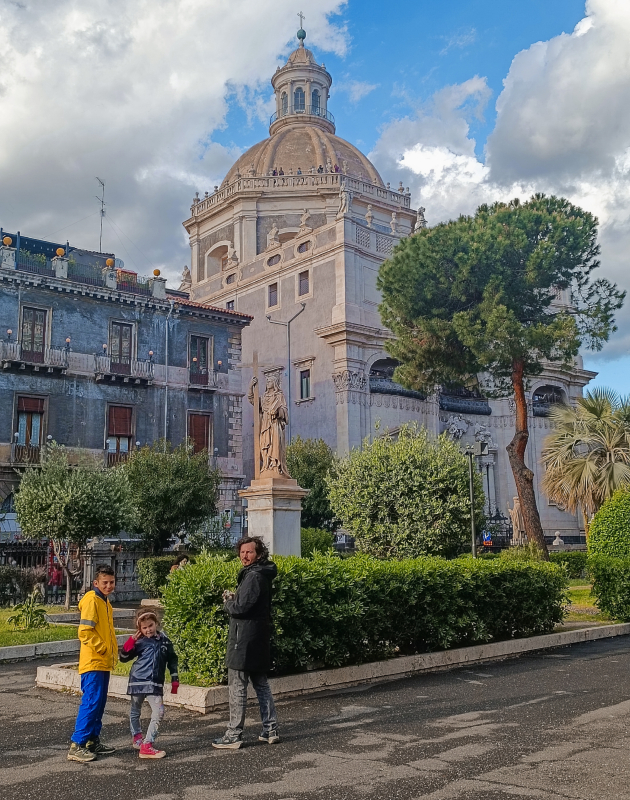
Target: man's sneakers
x=271, y=737
x=80, y=753
x=137, y=741
x=148, y=751
x=226, y=742
x=99, y=748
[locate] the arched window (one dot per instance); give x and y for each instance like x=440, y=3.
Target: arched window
x=315, y=102
x=298, y=100
x=285, y=103
x=545, y=397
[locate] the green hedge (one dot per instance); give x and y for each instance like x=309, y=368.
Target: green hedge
x=609, y=532
x=611, y=585
x=575, y=562
x=330, y=612
x=153, y=572
x=315, y=540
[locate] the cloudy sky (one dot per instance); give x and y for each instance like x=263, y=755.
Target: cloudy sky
x=465, y=101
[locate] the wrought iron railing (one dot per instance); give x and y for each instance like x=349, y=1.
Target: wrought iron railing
x=86, y=273
x=34, y=264
x=113, y=459
x=139, y=286
x=202, y=377
x=25, y=454
x=311, y=111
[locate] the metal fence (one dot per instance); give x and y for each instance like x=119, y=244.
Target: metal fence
x=86, y=273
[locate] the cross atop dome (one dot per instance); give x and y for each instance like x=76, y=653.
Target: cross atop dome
x=301, y=34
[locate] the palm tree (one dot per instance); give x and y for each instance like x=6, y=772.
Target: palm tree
x=587, y=457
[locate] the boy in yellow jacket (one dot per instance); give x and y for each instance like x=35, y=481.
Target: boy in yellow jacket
x=98, y=657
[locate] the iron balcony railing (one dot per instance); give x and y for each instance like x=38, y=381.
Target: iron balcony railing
x=48, y=357
x=312, y=111
x=140, y=370
x=202, y=377
x=114, y=459
x=90, y=274
x=25, y=454
x=39, y=265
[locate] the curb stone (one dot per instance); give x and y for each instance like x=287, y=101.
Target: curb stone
x=206, y=700
x=63, y=647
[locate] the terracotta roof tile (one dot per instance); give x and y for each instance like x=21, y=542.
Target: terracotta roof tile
x=183, y=302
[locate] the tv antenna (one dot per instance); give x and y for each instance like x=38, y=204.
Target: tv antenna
x=101, y=200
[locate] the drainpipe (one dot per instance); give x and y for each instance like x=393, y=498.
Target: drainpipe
x=168, y=316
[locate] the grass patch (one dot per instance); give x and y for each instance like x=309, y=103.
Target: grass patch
x=583, y=608
x=10, y=637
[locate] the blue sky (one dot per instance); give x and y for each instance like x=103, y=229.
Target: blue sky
x=465, y=101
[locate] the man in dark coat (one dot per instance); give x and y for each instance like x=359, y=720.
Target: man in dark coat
x=249, y=643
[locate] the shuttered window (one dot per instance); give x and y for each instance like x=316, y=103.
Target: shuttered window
x=35, y=404
x=303, y=283
x=273, y=295
x=199, y=431
x=120, y=421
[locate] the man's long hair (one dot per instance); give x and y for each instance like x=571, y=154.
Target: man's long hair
x=262, y=551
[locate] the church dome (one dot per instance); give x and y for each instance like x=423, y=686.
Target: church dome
x=305, y=147
x=302, y=130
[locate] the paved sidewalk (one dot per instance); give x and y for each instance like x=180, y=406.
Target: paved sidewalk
x=552, y=725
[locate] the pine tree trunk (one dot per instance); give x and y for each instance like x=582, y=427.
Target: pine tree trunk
x=523, y=476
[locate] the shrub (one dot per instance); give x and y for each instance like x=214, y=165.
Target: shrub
x=525, y=552
x=574, y=561
x=30, y=614
x=315, y=540
x=310, y=462
x=407, y=497
x=330, y=612
x=153, y=572
x=609, y=532
x=611, y=585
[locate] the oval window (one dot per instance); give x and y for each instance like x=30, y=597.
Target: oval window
x=273, y=260
x=231, y=278
x=302, y=248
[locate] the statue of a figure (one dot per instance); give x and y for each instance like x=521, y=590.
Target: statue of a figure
x=420, y=220
x=345, y=201
x=272, y=237
x=232, y=258
x=394, y=223
x=516, y=516
x=186, y=280
x=274, y=416
x=484, y=434
x=456, y=426
x=369, y=216
x=304, y=220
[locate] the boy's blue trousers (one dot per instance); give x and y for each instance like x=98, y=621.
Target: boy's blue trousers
x=90, y=717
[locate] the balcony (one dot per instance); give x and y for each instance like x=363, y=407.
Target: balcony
x=384, y=385
x=202, y=379
x=310, y=111
x=129, y=370
x=25, y=454
x=114, y=459
x=464, y=401
x=52, y=359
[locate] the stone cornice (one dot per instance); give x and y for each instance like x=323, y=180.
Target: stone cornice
x=353, y=333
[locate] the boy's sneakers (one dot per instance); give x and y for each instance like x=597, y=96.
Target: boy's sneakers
x=99, y=748
x=80, y=753
x=137, y=741
x=148, y=751
x=226, y=742
x=271, y=737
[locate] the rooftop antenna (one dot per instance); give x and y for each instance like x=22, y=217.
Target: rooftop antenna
x=101, y=200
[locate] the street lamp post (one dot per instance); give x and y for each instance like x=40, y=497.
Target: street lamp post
x=287, y=325
x=477, y=449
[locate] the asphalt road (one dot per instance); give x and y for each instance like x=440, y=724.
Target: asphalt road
x=551, y=725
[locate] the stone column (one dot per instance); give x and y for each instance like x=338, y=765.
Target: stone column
x=7, y=257
x=351, y=398
x=60, y=265
x=274, y=510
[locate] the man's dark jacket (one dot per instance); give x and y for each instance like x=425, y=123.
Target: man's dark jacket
x=249, y=640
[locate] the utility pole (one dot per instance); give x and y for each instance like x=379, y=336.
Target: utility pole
x=101, y=200
x=287, y=325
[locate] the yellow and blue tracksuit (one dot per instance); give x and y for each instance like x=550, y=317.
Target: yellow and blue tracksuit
x=98, y=656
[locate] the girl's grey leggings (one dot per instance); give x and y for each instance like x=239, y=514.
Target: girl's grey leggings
x=157, y=712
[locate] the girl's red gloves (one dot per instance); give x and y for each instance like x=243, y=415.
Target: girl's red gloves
x=129, y=644
x=174, y=687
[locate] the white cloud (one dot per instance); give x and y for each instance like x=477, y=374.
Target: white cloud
x=459, y=40
x=131, y=90
x=356, y=90
x=563, y=127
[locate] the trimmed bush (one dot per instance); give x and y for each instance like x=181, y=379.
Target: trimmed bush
x=330, y=612
x=611, y=585
x=609, y=532
x=315, y=540
x=574, y=561
x=153, y=572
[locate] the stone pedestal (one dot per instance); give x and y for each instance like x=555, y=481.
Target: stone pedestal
x=274, y=509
